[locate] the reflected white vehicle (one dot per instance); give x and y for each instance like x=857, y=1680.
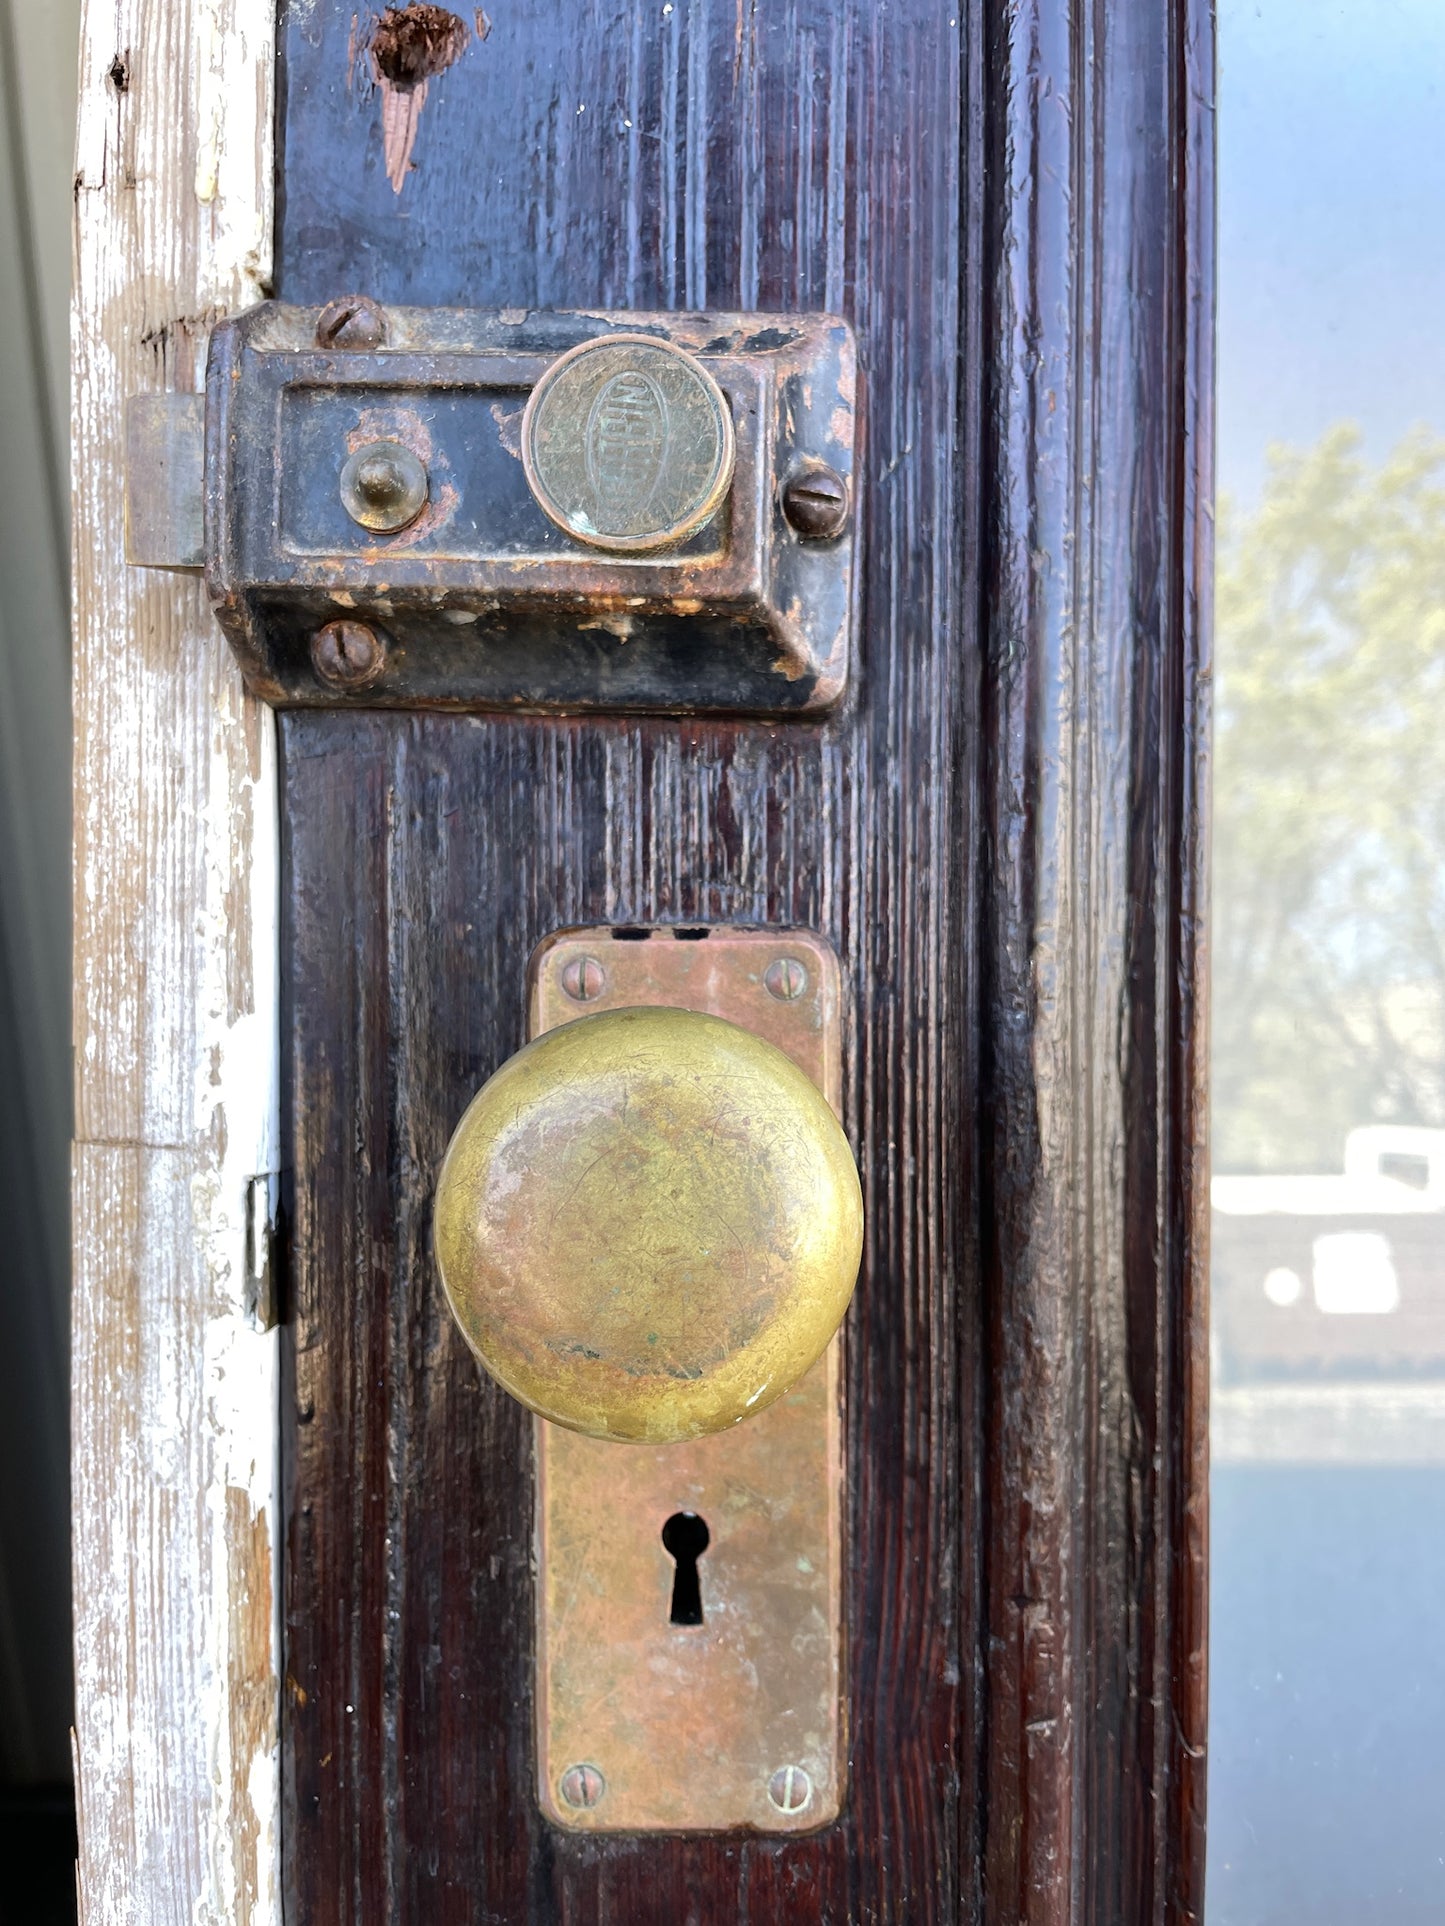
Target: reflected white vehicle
x=1337, y=1276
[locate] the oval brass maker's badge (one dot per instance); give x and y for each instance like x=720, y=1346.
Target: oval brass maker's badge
x=628, y=443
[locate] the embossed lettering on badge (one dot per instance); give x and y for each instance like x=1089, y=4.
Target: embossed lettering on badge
x=628, y=443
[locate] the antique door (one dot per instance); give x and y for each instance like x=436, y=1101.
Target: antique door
x=993, y=822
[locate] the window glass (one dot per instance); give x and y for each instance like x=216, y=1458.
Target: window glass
x=1327, y=1776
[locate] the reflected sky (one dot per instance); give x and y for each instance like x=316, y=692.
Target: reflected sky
x=1331, y=190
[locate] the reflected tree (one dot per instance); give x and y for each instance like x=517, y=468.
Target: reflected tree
x=1329, y=824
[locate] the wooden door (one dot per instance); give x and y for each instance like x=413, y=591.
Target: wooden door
x=1000, y=832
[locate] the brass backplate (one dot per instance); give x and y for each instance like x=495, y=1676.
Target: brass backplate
x=736, y=1723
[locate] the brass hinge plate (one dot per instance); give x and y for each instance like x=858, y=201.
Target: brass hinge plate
x=736, y=1723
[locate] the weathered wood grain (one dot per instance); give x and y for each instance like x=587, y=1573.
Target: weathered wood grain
x=1002, y=833
x=174, y=1393
x=804, y=155
x=1093, y=933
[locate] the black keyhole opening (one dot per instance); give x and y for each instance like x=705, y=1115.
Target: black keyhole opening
x=685, y=1538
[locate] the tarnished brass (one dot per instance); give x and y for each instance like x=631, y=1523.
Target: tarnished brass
x=383, y=486
x=649, y=1224
x=737, y=1721
x=628, y=443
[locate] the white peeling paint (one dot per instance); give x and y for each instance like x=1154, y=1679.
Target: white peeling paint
x=176, y=1404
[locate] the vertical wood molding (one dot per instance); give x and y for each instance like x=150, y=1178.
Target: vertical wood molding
x=175, y=1394
x=1094, y=1194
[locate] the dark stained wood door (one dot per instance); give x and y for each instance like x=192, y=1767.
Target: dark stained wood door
x=1000, y=832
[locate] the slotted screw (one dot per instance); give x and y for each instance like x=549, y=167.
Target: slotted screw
x=347, y=655
x=815, y=501
x=786, y=979
x=355, y=321
x=790, y=1788
x=583, y=979
x=583, y=1786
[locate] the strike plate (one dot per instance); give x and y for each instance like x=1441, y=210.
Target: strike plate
x=735, y=1723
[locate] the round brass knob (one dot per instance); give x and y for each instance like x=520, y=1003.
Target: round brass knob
x=648, y=1224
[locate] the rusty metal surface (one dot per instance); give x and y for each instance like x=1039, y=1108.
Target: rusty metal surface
x=164, y=449
x=487, y=601
x=736, y=1722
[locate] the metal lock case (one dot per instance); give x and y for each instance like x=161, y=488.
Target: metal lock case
x=488, y=596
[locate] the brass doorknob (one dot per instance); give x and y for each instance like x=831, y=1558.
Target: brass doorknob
x=648, y=1224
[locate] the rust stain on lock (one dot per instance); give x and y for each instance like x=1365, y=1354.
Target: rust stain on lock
x=601, y=526
x=734, y=1721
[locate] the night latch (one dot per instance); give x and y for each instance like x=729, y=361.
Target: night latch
x=447, y=508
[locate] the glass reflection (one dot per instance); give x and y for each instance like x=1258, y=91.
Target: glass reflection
x=1327, y=1788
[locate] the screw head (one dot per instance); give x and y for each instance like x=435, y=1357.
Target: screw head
x=355, y=321
x=383, y=486
x=815, y=501
x=786, y=979
x=347, y=654
x=583, y=1786
x=584, y=978
x=790, y=1788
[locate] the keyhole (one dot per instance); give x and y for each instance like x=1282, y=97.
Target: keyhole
x=685, y=1538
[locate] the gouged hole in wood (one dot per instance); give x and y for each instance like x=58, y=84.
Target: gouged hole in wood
x=412, y=44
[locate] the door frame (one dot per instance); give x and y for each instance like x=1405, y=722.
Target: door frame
x=175, y=1385
x=1099, y=445
x=1094, y=157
